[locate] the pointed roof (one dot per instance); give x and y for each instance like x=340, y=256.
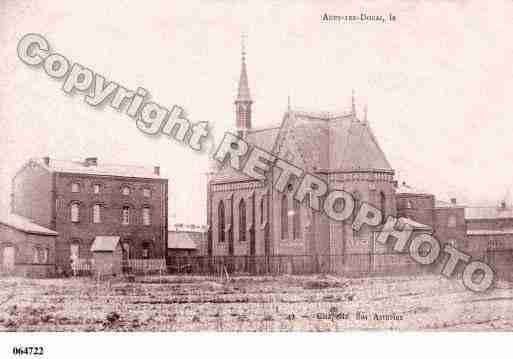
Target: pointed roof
x=243, y=94
x=105, y=244
x=25, y=225
x=326, y=142
x=335, y=142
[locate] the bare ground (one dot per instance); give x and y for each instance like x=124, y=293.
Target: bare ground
x=285, y=303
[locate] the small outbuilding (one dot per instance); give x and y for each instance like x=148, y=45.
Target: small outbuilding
x=26, y=248
x=107, y=258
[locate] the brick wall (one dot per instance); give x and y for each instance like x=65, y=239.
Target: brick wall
x=24, y=244
x=32, y=195
x=112, y=201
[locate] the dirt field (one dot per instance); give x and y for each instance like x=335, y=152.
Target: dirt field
x=287, y=303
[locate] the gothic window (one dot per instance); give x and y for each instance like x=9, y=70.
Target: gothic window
x=45, y=253
x=284, y=217
x=97, y=213
x=96, y=188
x=125, y=215
x=357, y=199
x=382, y=206
x=221, y=221
x=242, y=220
x=297, y=220
x=262, y=210
x=75, y=212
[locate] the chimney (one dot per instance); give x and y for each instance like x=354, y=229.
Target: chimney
x=156, y=170
x=91, y=161
x=46, y=160
x=503, y=204
x=453, y=200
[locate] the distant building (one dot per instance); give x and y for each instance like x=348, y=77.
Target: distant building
x=82, y=200
x=187, y=240
x=26, y=248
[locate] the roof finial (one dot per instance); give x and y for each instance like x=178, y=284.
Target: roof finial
x=243, y=46
x=353, y=107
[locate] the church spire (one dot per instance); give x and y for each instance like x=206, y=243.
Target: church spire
x=243, y=101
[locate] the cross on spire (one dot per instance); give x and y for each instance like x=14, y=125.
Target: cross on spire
x=243, y=46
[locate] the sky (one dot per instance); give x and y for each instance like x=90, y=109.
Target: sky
x=437, y=83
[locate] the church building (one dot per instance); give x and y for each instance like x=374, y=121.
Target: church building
x=248, y=217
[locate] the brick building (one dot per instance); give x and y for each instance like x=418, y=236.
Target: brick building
x=247, y=217
x=85, y=199
x=250, y=218
x=26, y=248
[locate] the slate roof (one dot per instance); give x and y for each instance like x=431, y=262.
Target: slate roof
x=25, y=225
x=488, y=212
x=324, y=141
x=102, y=169
x=104, y=244
x=263, y=138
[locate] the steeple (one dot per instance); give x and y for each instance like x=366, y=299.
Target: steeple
x=243, y=101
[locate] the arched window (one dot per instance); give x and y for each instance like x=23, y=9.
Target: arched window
x=356, y=197
x=75, y=212
x=409, y=204
x=125, y=190
x=284, y=217
x=221, y=221
x=297, y=220
x=125, y=215
x=97, y=213
x=74, y=250
x=383, y=206
x=242, y=220
x=146, y=215
x=126, y=249
x=262, y=209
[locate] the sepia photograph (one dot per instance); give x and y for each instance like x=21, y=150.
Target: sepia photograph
x=274, y=167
